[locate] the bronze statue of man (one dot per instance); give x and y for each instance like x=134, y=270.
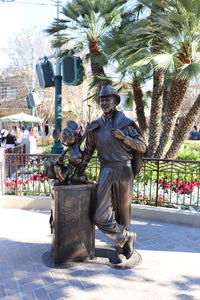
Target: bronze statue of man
x=119, y=144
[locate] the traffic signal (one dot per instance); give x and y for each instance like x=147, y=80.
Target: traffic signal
x=45, y=74
x=72, y=70
x=32, y=100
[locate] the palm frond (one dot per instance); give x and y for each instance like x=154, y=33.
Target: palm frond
x=190, y=71
x=163, y=61
x=142, y=62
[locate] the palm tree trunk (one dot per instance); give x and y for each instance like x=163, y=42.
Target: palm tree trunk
x=158, y=90
x=97, y=69
x=156, y=112
x=139, y=102
x=184, y=127
x=176, y=96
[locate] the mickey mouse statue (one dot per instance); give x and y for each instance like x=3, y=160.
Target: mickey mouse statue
x=72, y=140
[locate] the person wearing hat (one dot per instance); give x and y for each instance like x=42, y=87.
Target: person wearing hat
x=119, y=145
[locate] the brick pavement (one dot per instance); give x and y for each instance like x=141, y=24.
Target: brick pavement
x=170, y=268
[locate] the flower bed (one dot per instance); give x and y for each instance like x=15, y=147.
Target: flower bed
x=170, y=194
x=29, y=185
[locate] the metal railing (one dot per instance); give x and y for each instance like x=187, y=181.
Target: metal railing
x=25, y=174
x=165, y=182
x=170, y=183
x=19, y=149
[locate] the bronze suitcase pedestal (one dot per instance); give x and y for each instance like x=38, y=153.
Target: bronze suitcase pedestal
x=73, y=229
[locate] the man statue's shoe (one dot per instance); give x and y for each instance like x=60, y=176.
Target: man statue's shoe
x=128, y=247
x=120, y=255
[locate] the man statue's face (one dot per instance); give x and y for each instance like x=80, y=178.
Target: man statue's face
x=107, y=104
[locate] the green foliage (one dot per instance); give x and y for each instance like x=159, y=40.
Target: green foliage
x=47, y=150
x=83, y=21
x=191, y=151
x=45, y=141
x=93, y=169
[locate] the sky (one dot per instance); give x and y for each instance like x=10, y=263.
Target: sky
x=19, y=14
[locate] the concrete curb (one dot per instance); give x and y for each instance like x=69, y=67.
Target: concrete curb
x=168, y=215
x=25, y=202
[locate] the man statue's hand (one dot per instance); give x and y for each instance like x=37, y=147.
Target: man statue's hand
x=118, y=134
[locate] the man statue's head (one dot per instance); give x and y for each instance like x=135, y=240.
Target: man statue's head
x=108, y=99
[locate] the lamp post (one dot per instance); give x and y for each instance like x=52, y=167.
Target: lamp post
x=89, y=104
x=58, y=147
x=33, y=82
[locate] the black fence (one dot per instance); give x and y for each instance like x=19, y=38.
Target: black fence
x=25, y=174
x=165, y=182
x=171, y=183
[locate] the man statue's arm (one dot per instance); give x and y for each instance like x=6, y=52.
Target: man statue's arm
x=131, y=138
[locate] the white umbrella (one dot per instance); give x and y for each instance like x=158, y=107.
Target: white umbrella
x=21, y=117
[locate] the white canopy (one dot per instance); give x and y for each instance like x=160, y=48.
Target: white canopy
x=21, y=117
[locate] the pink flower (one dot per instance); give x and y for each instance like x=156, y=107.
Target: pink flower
x=168, y=185
x=187, y=188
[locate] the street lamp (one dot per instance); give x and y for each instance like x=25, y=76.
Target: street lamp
x=89, y=104
x=58, y=147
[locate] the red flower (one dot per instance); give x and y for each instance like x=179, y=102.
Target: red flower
x=168, y=185
x=187, y=188
x=35, y=177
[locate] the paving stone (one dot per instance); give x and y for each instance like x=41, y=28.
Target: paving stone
x=28, y=295
x=28, y=279
x=63, y=292
x=11, y=288
x=56, y=286
x=169, y=269
x=46, y=277
x=41, y=293
x=2, y=290
x=14, y=297
x=31, y=286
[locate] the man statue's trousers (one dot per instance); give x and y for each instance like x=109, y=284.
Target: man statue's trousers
x=113, y=209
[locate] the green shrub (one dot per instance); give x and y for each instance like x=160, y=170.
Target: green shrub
x=47, y=150
x=45, y=141
x=190, y=151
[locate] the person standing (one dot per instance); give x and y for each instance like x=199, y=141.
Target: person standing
x=33, y=140
x=19, y=135
x=194, y=134
x=119, y=145
x=10, y=139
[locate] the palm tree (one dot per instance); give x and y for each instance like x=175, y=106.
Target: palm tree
x=136, y=44
x=138, y=95
x=175, y=48
x=118, y=47
x=187, y=123
x=82, y=27
x=182, y=21
x=157, y=46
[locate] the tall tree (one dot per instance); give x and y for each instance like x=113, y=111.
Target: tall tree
x=82, y=26
x=178, y=39
x=118, y=47
x=157, y=46
x=187, y=123
x=182, y=21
